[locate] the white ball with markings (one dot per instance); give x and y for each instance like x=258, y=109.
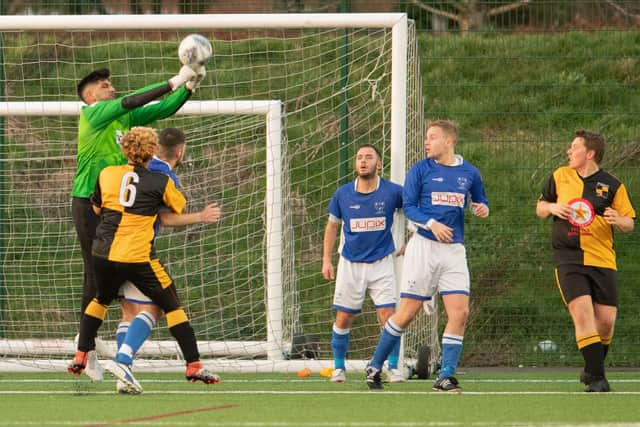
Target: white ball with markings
x=194, y=51
x=547, y=345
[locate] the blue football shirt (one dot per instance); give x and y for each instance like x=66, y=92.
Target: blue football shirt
x=157, y=165
x=439, y=192
x=366, y=219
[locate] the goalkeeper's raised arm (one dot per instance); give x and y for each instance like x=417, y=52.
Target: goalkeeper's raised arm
x=98, y=93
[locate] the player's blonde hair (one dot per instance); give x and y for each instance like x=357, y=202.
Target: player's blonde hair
x=449, y=127
x=140, y=144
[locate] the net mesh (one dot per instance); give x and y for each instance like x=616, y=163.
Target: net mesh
x=335, y=89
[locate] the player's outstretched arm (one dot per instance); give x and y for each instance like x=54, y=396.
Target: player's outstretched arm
x=143, y=97
x=172, y=103
x=211, y=213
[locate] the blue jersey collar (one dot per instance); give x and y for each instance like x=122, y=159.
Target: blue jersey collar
x=160, y=160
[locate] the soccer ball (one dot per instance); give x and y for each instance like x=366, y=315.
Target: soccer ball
x=194, y=50
x=546, y=345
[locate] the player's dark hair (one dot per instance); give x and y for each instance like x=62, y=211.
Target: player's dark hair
x=170, y=140
x=93, y=77
x=371, y=146
x=448, y=126
x=170, y=137
x=593, y=141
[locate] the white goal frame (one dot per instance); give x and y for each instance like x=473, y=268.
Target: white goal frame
x=274, y=348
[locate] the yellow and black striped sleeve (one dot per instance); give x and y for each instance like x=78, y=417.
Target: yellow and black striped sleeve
x=622, y=203
x=173, y=198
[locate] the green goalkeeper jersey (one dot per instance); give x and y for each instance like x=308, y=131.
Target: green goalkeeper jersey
x=103, y=124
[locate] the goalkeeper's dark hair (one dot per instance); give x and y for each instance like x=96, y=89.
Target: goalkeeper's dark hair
x=170, y=139
x=93, y=77
x=140, y=144
x=593, y=141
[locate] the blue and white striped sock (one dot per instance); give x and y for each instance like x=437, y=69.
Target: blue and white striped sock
x=389, y=338
x=394, y=356
x=340, y=346
x=121, y=332
x=451, y=351
x=138, y=332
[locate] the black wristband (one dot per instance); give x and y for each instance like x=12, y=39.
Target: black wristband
x=139, y=99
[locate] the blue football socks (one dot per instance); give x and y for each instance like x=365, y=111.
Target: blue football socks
x=121, y=332
x=138, y=332
x=340, y=346
x=394, y=356
x=451, y=351
x=389, y=339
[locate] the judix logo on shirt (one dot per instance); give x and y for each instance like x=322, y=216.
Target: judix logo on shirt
x=360, y=225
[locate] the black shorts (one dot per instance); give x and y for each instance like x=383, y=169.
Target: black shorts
x=149, y=277
x=85, y=221
x=575, y=280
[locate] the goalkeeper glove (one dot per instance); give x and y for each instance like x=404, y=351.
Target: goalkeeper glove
x=185, y=74
x=194, y=82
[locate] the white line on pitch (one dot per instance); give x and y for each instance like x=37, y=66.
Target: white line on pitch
x=275, y=380
x=331, y=424
x=334, y=392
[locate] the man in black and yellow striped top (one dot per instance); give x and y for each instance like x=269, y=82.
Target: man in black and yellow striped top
x=587, y=203
x=128, y=198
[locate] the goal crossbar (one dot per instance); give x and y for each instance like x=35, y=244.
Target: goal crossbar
x=202, y=21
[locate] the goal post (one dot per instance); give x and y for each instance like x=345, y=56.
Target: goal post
x=251, y=284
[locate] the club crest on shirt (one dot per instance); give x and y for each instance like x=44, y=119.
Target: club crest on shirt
x=379, y=207
x=582, y=212
x=463, y=183
x=602, y=190
x=119, y=136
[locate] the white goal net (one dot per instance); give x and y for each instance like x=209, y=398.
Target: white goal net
x=271, y=135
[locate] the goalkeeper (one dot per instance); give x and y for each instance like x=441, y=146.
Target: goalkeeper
x=129, y=199
x=102, y=123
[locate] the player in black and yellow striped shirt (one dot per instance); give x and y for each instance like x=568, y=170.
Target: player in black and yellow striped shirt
x=587, y=203
x=128, y=198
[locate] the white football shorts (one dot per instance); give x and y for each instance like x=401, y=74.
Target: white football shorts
x=430, y=266
x=354, y=279
x=131, y=293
